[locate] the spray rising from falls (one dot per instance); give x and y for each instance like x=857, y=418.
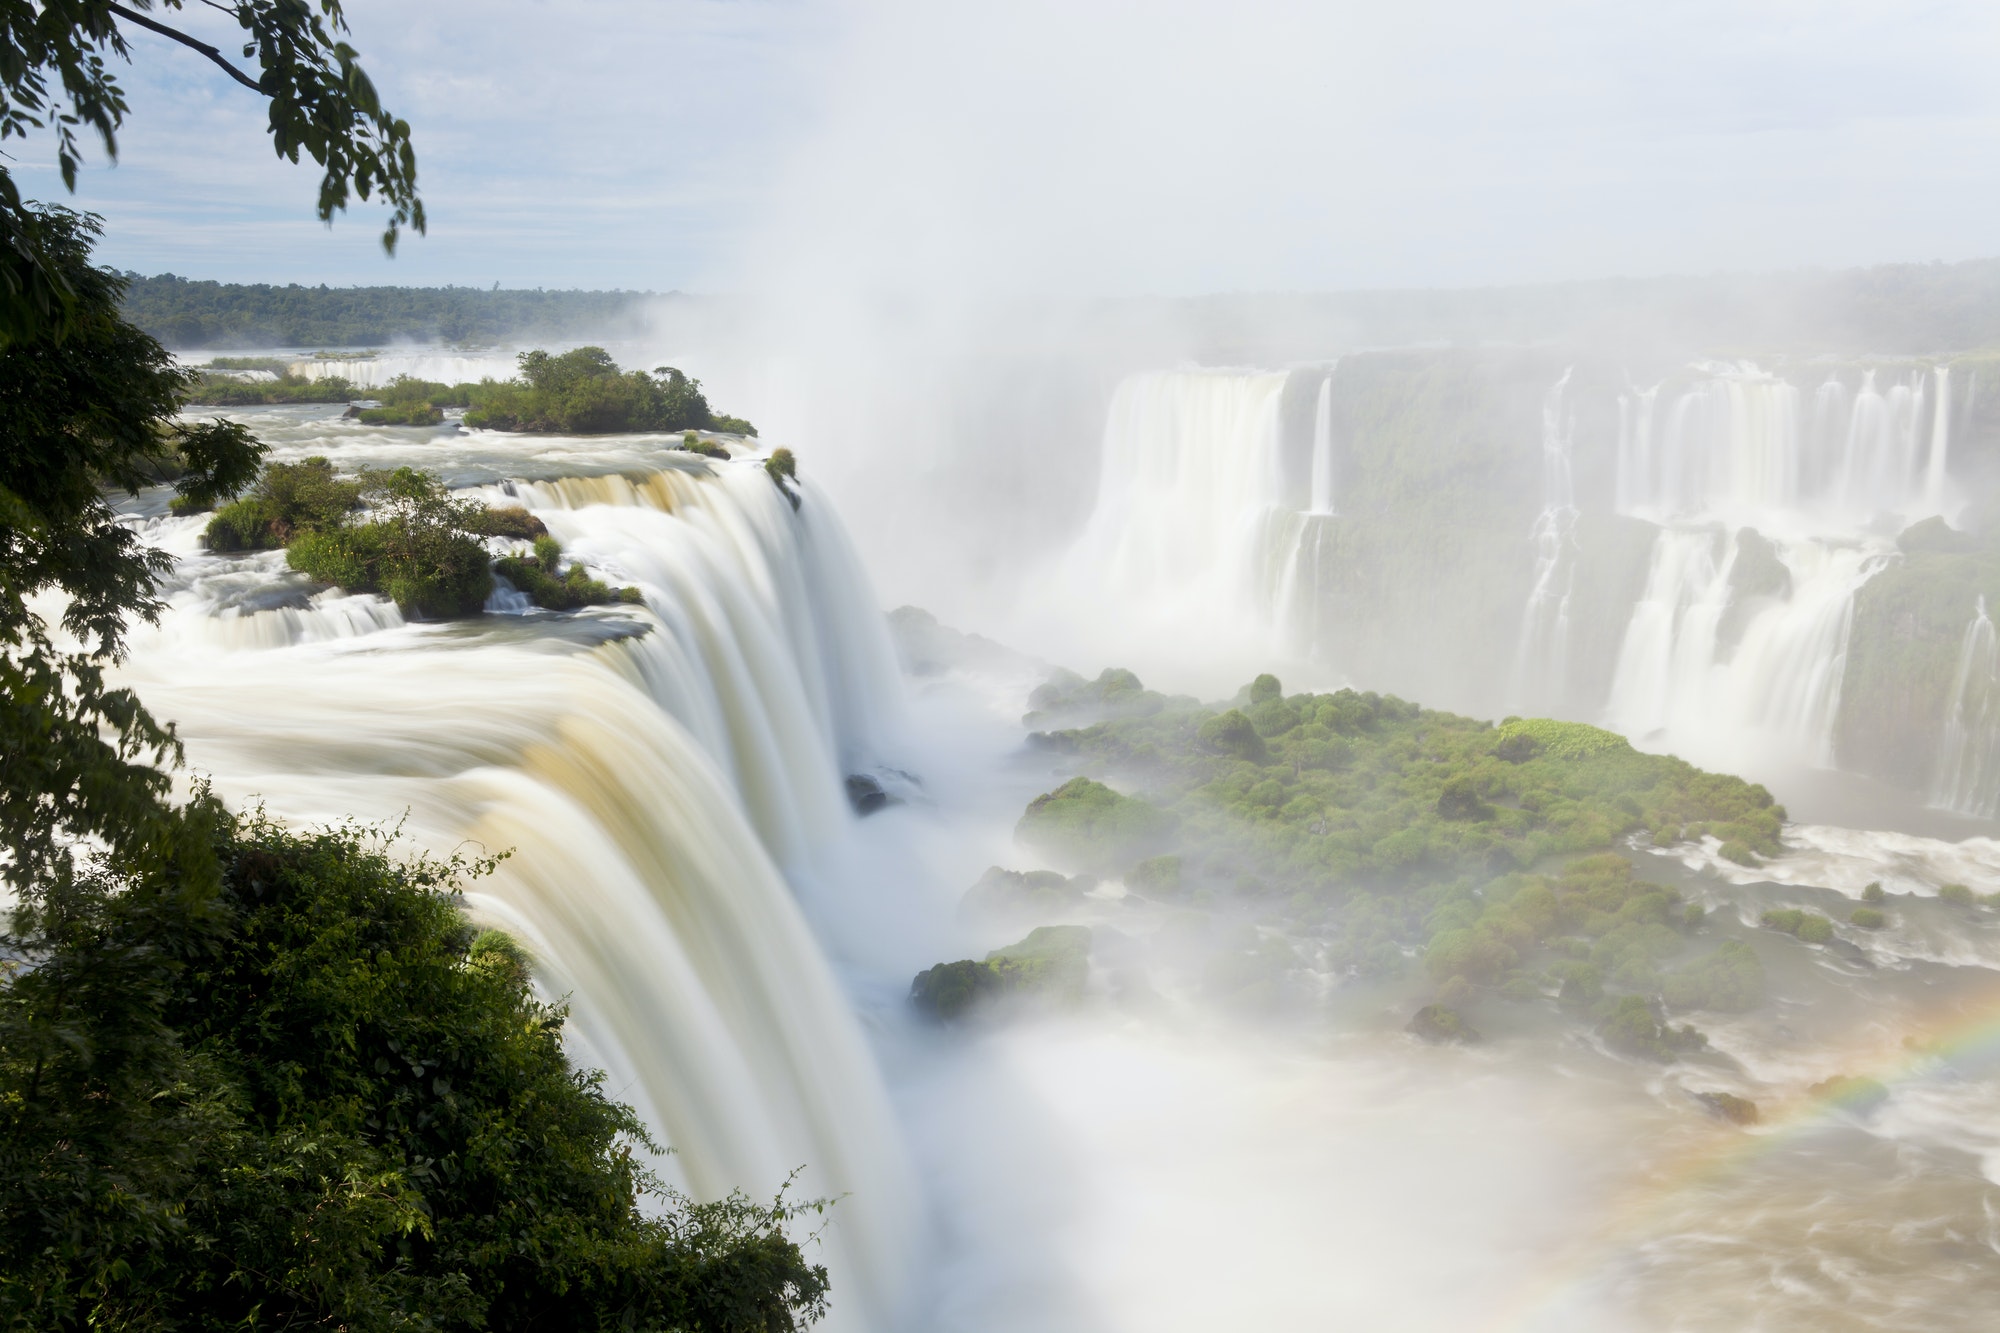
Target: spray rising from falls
x=1192, y=539
x=1772, y=519
x=650, y=768
x=1541, y=655
x=1967, y=778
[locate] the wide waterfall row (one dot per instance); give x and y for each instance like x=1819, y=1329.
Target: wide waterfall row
x=648, y=769
x=1742, y=442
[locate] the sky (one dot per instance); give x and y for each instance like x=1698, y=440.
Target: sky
x=1091, y=146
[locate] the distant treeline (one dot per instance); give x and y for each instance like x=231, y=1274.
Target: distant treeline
x=186, y=314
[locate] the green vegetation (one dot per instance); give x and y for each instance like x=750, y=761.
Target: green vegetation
x=783, y=470
x=288, y=501
x=1088, y=824
x=1439, y=1024
x=1956, y=893
x=583, y=392
x=419, y=550
x=1868, y=918
x=541, y=577
x=1873, y=893
x=402, y=414
x=224, y=391
x=259, y=1079
x=1809, y=927
x=1052, y=962
x=184, y=313
x=1373, y=828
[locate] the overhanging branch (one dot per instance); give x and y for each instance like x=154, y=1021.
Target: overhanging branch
x=153, y=25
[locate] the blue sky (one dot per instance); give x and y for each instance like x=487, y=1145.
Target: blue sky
x=1094, y=145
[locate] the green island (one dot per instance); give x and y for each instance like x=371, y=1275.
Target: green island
x=400, y=534
x=578, y=392
x=1378, y=839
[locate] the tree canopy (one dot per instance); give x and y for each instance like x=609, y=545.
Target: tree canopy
x=55, y=77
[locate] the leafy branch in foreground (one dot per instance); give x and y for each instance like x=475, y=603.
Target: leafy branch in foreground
x=55, y=76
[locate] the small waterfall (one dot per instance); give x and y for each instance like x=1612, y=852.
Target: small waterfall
x=1940, y=450
x=1541, y=654
x=1322, y=456
x=1772, y=688
x=1967, y=775
x=651, y=767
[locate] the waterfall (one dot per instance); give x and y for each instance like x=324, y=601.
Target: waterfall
x=651, y=769
x=1934, y=469
x=1541, y=654
x=1322, y=456
x=1966, y=778
x=1190, y=548
x=1772, y=688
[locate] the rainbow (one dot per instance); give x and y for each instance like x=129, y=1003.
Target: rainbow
x=1968, y=1034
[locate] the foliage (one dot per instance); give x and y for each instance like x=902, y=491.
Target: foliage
x=277, y=1080
x=507, y=521
x=782, y=467
x=54, y=76
x=224, y=391
x=288, y=501
x=1051, y=962
x=1560, y=740
x=1087, y=823
x=1810, y=927
x=541, y=577
x=1730, y=980
x=185, y=313
x=583, y=392
x=418, y=551
x=1439, y=1024
x=1868, y=918
x=402, y=414
x=90, y=413
x=1631, y=1026
x=1956, y=893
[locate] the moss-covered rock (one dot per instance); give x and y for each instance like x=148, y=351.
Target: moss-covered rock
x=1728, y=1106
x=1051, y=963
x=1441, y=1025
x=1087, y=824
x=1000, y=892
x=1629, y=1025
x=542, y=578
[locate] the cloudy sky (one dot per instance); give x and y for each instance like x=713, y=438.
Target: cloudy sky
x=1113, y=146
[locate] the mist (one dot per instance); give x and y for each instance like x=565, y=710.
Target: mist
x=1438, y=669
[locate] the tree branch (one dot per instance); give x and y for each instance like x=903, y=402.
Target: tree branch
x=153, y=25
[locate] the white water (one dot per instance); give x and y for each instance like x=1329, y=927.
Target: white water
x=1967, y=776
x=1828, y=487
x=651, y=770
x=1541, y=653
x=438, y=367
x=1322, y=455
x=1189, y=542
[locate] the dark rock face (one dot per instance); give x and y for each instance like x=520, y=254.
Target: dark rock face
x=865, y=794
x=1051, y=964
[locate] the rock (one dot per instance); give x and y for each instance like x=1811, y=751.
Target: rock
x=1934, y=534
x=1051, y=963
x=1849, y=1093
x=1440, y=1024
x=1727, y=1106
x=865, y=794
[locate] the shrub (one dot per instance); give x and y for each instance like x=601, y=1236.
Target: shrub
x=1868, y=918
x=1956, y=893
x=1739, y=852
x=1873, y=893
x=1630, y=1025
x=419, y=553
x=1232, y=733
x=1088, y=823
x=539, y=577
x=1563, y=740
x=506, y=521
x=287, y=500
x=1157, y=877
x=1265, y=689
x=277, y=1080
x=1440, y=1024
x=1731, y=980
x=401, y=414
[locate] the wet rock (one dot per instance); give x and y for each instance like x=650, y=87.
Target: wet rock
x=1440, y=1024
x=1727, y=1106
x=1051, y=963
x=865, y=794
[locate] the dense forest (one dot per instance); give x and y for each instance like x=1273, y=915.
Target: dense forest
x=184, y=313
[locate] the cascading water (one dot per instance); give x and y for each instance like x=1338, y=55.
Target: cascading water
x=1967, y=777
x=1190, y=538
x=1541, y=654
x=1735, y=653
x=650, y=769
x=1322, y=456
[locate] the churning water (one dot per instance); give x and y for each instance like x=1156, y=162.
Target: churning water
x=685, y=866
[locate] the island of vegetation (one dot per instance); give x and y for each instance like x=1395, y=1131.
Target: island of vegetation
x=1357, y=832
x=401, y=535
x=579, y=392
